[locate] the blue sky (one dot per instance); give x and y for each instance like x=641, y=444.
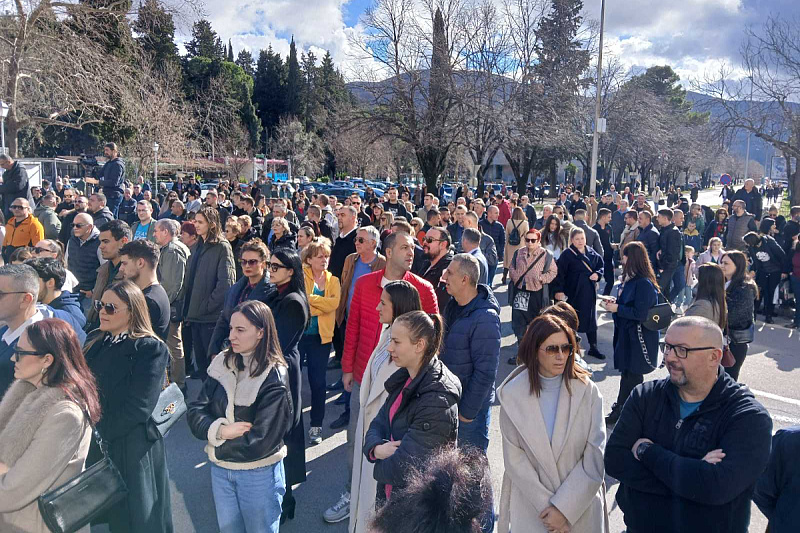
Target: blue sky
x=694, y=36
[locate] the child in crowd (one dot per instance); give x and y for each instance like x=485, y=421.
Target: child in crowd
x=693, y=236
x=686, y=296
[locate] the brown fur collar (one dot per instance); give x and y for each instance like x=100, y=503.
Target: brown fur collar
x=22, y=411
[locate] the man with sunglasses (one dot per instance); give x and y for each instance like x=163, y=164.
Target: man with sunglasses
x=83, y=256
x=438, y=255
x=67, y=202
x=19, y=286
x=22, y=230
x=688, y=450
x=80, y=205
x=363, y=218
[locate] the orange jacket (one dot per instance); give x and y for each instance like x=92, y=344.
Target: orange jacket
x=27, y=233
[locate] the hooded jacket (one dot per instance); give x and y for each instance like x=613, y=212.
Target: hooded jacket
x=671, y=489
x=768, y=257
x=67, y=307
x=426, y=419
x=102, y=217
x=471, y=348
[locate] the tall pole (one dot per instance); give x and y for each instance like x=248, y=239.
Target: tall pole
x=596, y=136
x=3, y=133
x=749, y=111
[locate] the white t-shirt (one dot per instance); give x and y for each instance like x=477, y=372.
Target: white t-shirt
x=70, y=282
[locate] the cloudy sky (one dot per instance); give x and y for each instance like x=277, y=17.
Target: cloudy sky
x=693, y=36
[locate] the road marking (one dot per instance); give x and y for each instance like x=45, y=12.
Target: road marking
x=787, y=419
x=771, y=396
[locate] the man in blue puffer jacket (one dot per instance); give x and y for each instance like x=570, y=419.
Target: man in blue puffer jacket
x=471, y=347
x=53, y=302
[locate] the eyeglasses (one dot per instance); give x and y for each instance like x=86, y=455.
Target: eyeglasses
x=274, y=267
x=383, y=219
x=109, y=308
x=249, y=262
x=79, y=225
x=431, y=239
x=555, y=349
x=531, y=240
x=17, y=207
x=38, y=250
x=362, y=240
x=12, y=292
x=18, y=354
x=682, y=352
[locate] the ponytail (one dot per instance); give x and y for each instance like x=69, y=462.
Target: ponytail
x=428, y=327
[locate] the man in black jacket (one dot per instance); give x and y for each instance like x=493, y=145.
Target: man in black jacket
x=346, y=242
x=649, y=236
x=14, y=185
x=688, y=450
x=751, y=197
x=768, y=262
x=669, y=249
x=438, y=256
x=603, y=229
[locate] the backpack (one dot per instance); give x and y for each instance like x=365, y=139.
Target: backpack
x=514, y=238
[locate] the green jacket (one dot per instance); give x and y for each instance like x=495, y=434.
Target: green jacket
x=49, y=220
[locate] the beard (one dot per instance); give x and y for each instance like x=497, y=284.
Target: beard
x=678, y=379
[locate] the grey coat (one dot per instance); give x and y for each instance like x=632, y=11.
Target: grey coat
x=592, y=237
x=171, y=272
x=211, y=273
x=49, y=220
x=705, y=309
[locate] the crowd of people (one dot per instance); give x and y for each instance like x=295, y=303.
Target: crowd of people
x=108, y=297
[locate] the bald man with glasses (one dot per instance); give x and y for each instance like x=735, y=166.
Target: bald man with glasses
x=688, y=449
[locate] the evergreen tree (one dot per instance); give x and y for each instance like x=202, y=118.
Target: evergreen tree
x=310, y=100
x=106, y=22
x=204, y=42
x=155, y=30
x=230, y=51
x=293, y=82
x=245, y=60
x=270, y=85
x=562, y=59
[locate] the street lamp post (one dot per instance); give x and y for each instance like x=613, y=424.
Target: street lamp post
x=155, y=168
x=3, y=114
x=596, y=137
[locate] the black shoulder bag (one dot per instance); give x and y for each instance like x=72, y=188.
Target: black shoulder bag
x=85, y=497
x=660, y=315
x=519, y=297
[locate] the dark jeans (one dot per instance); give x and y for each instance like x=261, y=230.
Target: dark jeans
x=338, y=338
x=628, y=382
x=678, y=282
x=768, y=283
x=490, y=271
x=665, y=280
x=201, y=339
x=113, y=201
x=739, y=352
x=608, y=275
x=796, y=291
x=316, y=355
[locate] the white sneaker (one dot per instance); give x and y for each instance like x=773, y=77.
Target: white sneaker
x=340, y=510
x=315, y=435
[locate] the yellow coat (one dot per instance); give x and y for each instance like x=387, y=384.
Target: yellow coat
x=323, y=307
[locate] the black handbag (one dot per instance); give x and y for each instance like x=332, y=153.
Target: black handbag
x=659, y=316
x=742, y=336
x=169, y=409
x=85, y=497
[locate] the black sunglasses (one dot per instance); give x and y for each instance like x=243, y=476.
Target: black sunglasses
x=43, y=250
x=531, y=240
x=18, y=354
x=17, y=207
x=109, y=308
x=277, y=266
x=361, y=240
x=431, y=239
x=249, y=262
x=554, y=349
x=79, y=225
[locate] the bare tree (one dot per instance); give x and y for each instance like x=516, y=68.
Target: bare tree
x=305, y=149
x=764, y=101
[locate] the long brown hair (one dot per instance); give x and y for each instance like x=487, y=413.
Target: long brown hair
x=268, y=351
x=558, y=237
x=638, y=263
x=215, y=230
x=711, y=287
x=404, y=297
x=69, y=371
x=740, y=276
x=539, y=331
x=518, y=214
x=139, y=325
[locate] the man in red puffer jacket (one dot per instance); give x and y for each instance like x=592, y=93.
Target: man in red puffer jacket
x=363, y=332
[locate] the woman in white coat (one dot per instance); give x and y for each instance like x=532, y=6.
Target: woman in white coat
x=551, y=419
x=397, y=298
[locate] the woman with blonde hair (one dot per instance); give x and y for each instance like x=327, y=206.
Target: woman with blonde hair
x=323, y=291
x=129, y=363
x=516, y=228
x=551, y=411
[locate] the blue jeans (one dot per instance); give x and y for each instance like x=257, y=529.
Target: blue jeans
x=476, y=433
x=113, y=202
x=316, y=355
x=678, y=282
x=490, y=271
x=248, y=501
x=685, y=296
x=796, y=291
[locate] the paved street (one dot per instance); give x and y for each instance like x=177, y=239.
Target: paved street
x=772, y=370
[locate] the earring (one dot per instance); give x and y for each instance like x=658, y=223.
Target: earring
x=44, y=370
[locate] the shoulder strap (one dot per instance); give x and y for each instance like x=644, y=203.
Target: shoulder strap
x=533, y=264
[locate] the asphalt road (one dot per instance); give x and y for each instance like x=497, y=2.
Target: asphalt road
x=771, y=371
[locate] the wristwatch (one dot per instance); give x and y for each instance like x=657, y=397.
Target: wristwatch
x=642, y=448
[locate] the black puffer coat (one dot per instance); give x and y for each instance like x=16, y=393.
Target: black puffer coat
x=740, y=300
x=426, y=419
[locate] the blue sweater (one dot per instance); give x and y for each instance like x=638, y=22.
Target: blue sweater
x=778, y=490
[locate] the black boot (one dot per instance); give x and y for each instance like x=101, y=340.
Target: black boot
x=594, y=352
x=287, y=507
x=613, y=416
